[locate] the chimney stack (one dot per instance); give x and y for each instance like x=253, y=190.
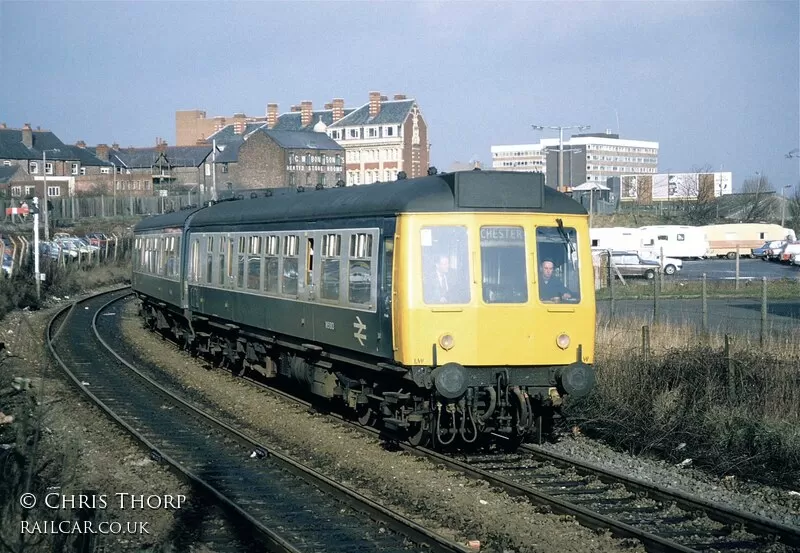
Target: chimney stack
x=384, y=99
x=338, y=108
x=115, y=146
x=295, y=109
x=27, y=135
x=399, y=96
x=102, y=152
x=3, y=126
x=328, y=106
x=272, y=115
x=161, y=146
x=374, y=103
x=305, y=113
x=80, y=144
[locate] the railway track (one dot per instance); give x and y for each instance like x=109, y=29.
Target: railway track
x=663, y=520
x=289, y=506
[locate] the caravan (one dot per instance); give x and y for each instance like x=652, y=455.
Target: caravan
x=723, y=239
x=675, y=241
x=615, y=238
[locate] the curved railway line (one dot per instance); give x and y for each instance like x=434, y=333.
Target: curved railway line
x=289, y=506
x=663, y=520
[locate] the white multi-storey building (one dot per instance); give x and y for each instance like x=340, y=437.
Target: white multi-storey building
x=592, y=157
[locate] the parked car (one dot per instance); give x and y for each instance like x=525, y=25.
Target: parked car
x=789, y=251
x=671, y=264
x=49, y=249
x=775, y=250
x=7, y=263
x=762, y=250
x=97, y=239
x=796, y=260
x=632, y=264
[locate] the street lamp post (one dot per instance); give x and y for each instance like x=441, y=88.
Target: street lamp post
x=783, y=204
x=44, y=193
x=560, y=130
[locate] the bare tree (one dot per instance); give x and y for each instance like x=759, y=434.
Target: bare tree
x=757, y=201
x=696, y=196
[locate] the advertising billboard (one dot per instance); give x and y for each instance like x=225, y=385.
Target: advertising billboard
x=674, y=186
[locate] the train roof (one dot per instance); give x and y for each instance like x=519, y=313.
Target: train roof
x=463, y=191
x=169, y=220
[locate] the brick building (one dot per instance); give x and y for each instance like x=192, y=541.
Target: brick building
x=265, y=158
x=381, y=137
x=44, y=158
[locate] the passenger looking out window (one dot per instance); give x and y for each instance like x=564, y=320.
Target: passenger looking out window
x=445, y=278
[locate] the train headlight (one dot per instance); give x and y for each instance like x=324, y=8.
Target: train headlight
x=447, y=342
x=562, y=341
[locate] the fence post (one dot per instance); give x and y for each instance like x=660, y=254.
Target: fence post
x=763, y=310
x=103, y=207
x=646, y=342
x=655, y=297
x=704, y=295
x=731, y=375
x=737, y=267
x=611, y=285
x=115, y=246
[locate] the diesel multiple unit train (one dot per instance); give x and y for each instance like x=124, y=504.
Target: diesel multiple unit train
x=447, y=308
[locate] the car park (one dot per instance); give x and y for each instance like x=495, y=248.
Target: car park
x=671, y=264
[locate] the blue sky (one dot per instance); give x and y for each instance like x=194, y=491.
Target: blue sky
x=717, y=83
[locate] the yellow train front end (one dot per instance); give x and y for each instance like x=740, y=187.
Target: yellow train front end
x=498, y=308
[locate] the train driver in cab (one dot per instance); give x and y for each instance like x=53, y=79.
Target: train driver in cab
x=443, y=285
x=551, y=288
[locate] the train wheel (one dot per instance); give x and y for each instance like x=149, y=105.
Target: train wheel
x=419, y=434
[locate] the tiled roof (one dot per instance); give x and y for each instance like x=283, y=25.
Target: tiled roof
x=11, y=146
x=393, y=112
x=86, y=157
x=292, y=121
x=229, y=150
x=8, y=171
x=227, y=133
x=177, y=156
x=302, y=139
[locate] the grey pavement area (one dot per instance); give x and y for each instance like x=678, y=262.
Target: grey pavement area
x=725, y=269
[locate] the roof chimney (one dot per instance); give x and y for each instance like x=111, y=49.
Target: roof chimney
x=338, y=108
x=27, y=135
x=161, y=146
x=3, y=126
x=384, y=99
x=328, y=106
x=80, y=144
x=295, y=109
x=102, y=152
x=305, y=113
x=115, y=146
x=399, y=96
x=374, y=103
x=272, y=115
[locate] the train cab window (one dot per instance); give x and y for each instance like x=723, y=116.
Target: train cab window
x=241, y=259
x=254, y=252
x=505, y=277
x=290, y=265
x=330, y=266
x=209, y=258
x=272, y=273
x=359, y=288
x=445, y=265
x=557, y=252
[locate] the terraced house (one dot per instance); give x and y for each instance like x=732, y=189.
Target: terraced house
x=380, y=138
x=33, y=159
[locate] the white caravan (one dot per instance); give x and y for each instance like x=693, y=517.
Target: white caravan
x=616, y=238
x=675, y=240
x=723, y=239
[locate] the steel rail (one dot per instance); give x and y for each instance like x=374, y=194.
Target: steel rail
x=391, y=519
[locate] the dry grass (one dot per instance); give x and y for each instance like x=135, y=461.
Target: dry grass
x=674, y=287
x=737, y=412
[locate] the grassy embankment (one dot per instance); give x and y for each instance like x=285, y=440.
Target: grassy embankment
x=735, y=412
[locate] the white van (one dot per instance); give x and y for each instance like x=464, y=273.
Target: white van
x=676, y=240
x=723, y=239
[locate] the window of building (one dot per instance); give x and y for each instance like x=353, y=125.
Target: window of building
x=53, y=191
x=389, y=131
x=373, y=132
x=83, y=170
x=354, y=133
x=16, y=191
x=33, y=167
x=30, y=190
x=224, y=167
x=105, y=170
x=75, y=168
x=48, y=168
x=321, y=178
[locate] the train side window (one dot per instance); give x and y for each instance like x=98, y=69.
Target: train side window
x=360, y=269
x=309, y=261
x=209, y=258
x=273, y=265
x=194, y=260
x=445, y=265
x=503, y=259
x=330, y=267
x=230, y=260
x=289, y=281
x=242, y=258
x=254, y=263
x=557, y=252
x=223, y=249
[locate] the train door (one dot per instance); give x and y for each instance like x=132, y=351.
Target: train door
x=193, y=275
x=310, y=284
